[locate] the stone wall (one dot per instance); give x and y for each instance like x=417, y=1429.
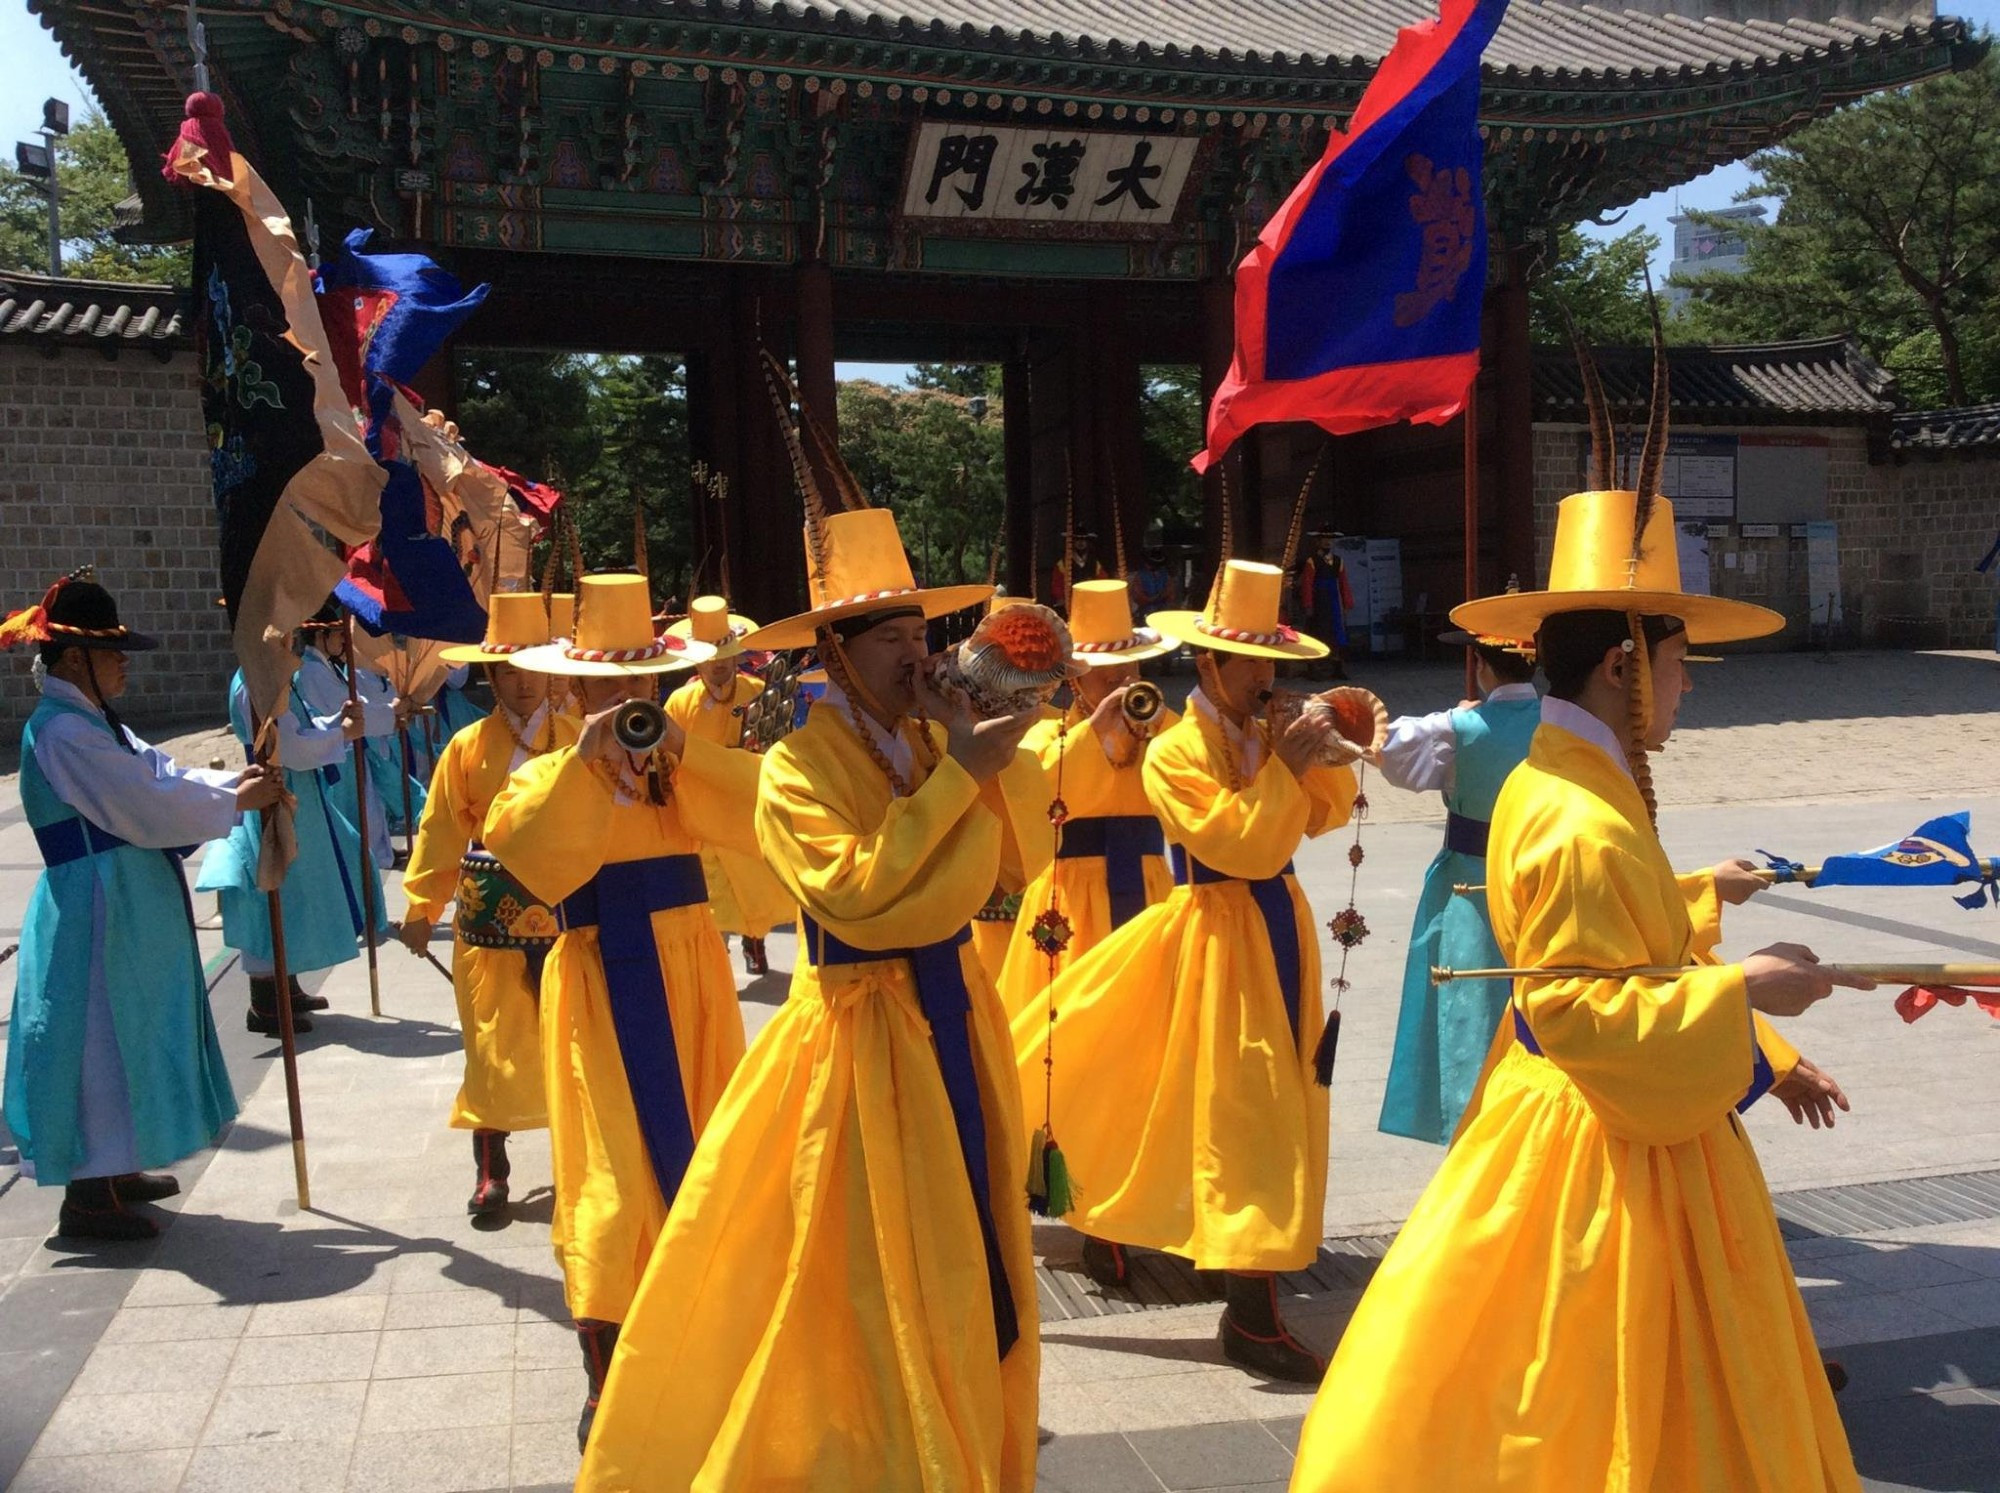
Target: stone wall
x=1910, y=533
x=105, y=463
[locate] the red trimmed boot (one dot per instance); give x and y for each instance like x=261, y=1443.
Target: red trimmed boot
x=146, y=1187
x=263, y=1014
x=1106, y=1262
x=1255, y=1337
x=489, y=1148
x=600, y=1341
x=91, y=1209
x=754, y=961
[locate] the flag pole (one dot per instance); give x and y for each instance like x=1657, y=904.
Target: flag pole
x=1977, y=976
x=281, y=977
x=1471, y=521
x=409, y=764
x=361, y=813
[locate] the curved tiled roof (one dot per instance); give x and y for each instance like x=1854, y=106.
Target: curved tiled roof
x=52, y=313
x=1540, y=40
x=1934, y=432
x=1822, y=376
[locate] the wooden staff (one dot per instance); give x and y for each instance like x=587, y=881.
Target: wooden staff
x=1974, y=976
x=366, y=857
x=281, y=976
x=1802, y=876
x=409, y=816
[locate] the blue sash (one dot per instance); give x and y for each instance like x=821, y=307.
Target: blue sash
x=620, y=902
x=1464, y=835
x=1274, y=903
x=72, y=839
x=1124, y=840
x=947, y=1006
x=1761, y=1076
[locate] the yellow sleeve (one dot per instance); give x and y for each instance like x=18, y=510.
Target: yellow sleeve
x=1250, y=833
x=1019, y=797
x=715, y=792
x=1659, y=1060
x=1704, y=912
x=915, y=878
x=1332, y=791
x=550, y=823
x=1780, y=1054
x=444, y=830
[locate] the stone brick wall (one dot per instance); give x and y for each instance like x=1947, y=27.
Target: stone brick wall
x=104, y=461
x=1910, y=534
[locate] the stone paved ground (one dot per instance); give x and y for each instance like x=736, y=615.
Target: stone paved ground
x=381, y=1341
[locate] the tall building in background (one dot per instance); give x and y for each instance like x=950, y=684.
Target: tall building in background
x=1708, y=242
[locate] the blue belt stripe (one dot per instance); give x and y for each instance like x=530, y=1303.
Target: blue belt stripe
x=1124, y=840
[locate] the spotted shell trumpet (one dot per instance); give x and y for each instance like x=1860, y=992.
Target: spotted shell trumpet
x=1015, y=660
x=1356, y=721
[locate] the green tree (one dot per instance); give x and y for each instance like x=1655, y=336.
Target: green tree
x=926, y=454
x=95, y=177
x=1601, y=282
x=1888, y=227
x=1171, y=416
x=963, y=379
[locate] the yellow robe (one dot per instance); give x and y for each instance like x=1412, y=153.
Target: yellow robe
x=1093, y=788
x=1184, y=1105
x=554, y=825
x=817, y=1315
x=498, y=1011
x=1592, y=1293
x=993, y=925
x=742, y=893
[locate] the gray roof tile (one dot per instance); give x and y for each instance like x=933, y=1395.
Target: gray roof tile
x=86, y=313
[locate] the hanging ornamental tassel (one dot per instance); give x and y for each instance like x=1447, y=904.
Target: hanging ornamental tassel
x=1349, y=928
x=1050, y=1192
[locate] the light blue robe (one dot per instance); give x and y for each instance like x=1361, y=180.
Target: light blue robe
x=321, y=897
x=112, y=1060
x=1443, y=1031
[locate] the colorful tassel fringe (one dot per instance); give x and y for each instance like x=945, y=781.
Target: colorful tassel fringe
x=1050, y=1194
x=1329, y=1044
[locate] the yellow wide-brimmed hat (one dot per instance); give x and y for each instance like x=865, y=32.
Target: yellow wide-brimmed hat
x=710, y=621
x=614, y=635
x=861, y=567
x=515, y=622
x=1593, y=570
x=562, y=613
x=1101, y=630
x=1242, y=616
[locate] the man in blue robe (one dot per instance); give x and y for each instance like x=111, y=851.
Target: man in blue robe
x=112, y=1061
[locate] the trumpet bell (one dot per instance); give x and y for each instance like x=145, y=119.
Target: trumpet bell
x=1143, y=703
x=639, y=725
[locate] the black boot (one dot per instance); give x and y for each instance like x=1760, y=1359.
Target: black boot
x=600, y=1341
x=1254, y=1336
x=1836, y=1375
x=754, y=961
x=489, y=1149
x=305, y=1000
x=143, y=1187
x=91, y=1210
x=263, y=1014
x=1105, y=1262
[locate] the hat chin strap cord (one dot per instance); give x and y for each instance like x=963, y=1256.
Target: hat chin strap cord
x=97, y=695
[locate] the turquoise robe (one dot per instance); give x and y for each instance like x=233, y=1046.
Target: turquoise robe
x=1443, y=1031
x=112, y=1060
x=324, y=913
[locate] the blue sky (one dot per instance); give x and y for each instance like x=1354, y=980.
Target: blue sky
x=33, y=68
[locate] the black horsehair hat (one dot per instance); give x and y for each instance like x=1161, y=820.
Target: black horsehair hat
x=75, y=612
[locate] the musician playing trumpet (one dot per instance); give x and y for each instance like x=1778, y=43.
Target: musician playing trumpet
x=1111, y=863
x=1183, y=1084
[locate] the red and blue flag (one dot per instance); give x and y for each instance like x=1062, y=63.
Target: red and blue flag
x=1359, y=305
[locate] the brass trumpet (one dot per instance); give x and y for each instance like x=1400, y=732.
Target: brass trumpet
x=639, y=725
x=1142, y=705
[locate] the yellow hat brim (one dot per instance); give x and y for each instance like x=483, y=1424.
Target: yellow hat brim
x=802, y=630
x=731, y=647
x=553, y=658
x=1186, y=626
x=475, y=653
x=1709, y=619
x=1138, y=653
